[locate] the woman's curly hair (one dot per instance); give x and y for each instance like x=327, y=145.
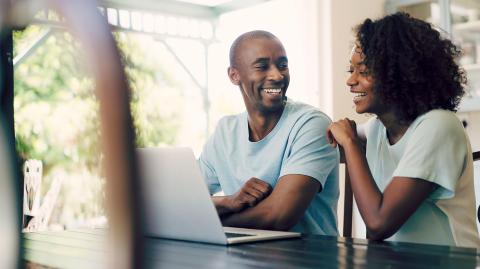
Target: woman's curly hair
x=413, y=66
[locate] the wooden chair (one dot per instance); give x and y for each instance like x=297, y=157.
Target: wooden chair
x=476, y=157
x=347, y=200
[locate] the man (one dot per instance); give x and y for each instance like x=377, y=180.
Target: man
x=272, y=162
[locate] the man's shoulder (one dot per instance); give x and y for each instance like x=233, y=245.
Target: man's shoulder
x=230, y=122
x=307, y=113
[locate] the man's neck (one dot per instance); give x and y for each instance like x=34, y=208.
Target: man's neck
x=261, y=124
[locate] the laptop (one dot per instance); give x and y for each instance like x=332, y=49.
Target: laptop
x=178, y=205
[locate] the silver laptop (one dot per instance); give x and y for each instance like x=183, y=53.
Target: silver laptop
x=178, y=204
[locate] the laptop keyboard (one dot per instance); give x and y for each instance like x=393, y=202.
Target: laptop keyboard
x=233, y=235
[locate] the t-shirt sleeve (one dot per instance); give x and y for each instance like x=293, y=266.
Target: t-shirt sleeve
x=205, y=163
x=310, y=154
x=436, y=152
x=370, y=127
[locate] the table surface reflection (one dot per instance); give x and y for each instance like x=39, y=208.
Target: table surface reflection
x=85, y=248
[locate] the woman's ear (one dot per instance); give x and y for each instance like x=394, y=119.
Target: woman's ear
x=233, y=75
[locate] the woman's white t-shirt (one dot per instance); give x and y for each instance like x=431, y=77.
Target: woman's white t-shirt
x=434, y=148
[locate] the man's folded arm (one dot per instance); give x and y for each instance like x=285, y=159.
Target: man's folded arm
x=251, y=193
x=282, y=209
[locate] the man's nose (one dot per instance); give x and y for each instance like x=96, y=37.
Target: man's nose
x=275, y=74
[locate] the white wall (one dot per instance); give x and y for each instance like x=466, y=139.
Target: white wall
x=336, y=20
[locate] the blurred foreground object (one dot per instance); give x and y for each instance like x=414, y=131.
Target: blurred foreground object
x=10, y=208
x=9, y=226
x=86, y=23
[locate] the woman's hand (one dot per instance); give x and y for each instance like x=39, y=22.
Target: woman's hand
x=341, y=132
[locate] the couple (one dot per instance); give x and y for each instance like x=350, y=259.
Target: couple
x=277, y=163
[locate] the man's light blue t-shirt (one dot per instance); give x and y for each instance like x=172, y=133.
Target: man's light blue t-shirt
x=296, y=145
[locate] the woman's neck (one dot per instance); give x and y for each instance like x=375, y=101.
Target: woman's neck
x=395, y=127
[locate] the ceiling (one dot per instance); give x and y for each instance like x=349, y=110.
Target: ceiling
x=205, y=9
x=210, y=3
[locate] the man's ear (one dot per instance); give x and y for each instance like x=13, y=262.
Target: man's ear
x=233, y=75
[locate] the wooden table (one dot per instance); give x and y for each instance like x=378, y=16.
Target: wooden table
x=85, y=249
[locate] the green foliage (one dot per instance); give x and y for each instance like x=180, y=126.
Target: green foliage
x=154, y=126
x=56, y=115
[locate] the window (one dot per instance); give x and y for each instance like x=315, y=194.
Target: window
x=176, y=66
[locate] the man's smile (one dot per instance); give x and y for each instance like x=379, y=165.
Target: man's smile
x=273, y=91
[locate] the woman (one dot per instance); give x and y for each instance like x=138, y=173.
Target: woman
x=415, y=182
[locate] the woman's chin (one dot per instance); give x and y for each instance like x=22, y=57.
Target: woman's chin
x=359, y=109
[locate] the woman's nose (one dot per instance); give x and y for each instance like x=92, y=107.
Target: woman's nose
x=352, y=79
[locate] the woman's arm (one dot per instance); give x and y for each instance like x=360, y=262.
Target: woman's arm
x=383, y=213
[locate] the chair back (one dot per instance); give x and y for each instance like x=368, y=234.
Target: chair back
x=476, y=158
x=347, y=200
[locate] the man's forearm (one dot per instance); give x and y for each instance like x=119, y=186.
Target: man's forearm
x=282, y=209
x=261, y=216
x=222, y=205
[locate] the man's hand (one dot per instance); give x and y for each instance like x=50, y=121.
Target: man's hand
x=251, y=193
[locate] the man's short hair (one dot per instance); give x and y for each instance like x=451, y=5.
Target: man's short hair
x=244, y=37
